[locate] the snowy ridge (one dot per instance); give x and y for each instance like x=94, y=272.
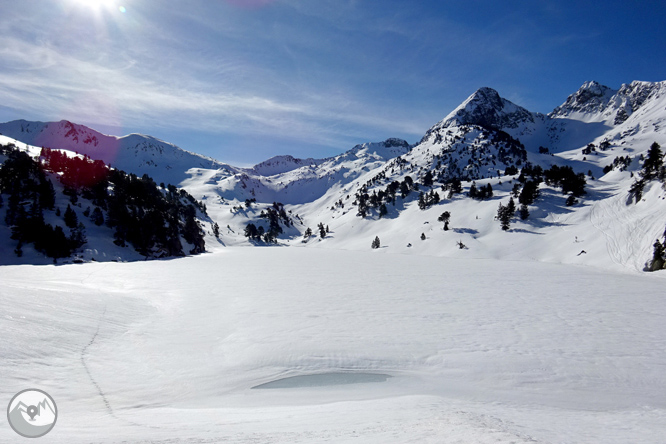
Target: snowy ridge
x=134, y=153
x=305, y=183
x=281, y=164
x=597, y=103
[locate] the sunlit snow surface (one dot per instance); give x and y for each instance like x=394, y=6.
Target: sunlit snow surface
x=479, y=351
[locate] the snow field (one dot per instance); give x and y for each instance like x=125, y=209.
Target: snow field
x=479, y=350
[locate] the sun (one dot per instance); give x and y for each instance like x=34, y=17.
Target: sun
x=97, y=4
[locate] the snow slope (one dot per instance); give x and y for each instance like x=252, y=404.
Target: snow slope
x=99, y=244
x=479, y=351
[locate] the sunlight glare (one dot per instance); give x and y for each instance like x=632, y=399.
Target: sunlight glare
x=97, y=4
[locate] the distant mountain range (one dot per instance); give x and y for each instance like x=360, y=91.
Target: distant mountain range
x=134, y=153
x=387, y=189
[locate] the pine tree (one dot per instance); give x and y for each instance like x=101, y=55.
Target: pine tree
x=636, y=190
x=97, y=217
x=251, y=231
x=653, y=162
x=524, y=212
x=404, y=189
x=422, y=202
x=445, y=217
x=473, y=192
x=511, y=207
x=308, y=233
x=529, y=193
x=77, y=237
x=427, y=179
x=375, y=243
x=456, y=187
x=383, y=211
x=504, y=215
x=70, y=218
x=322, y=230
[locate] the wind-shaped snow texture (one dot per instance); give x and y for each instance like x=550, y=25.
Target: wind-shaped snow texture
x=478, y=351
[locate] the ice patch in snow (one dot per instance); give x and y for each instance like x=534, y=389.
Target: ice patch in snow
x=323, y=379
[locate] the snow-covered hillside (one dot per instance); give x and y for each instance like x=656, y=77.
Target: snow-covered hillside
x=481, y=142
x=485, y=143
x=57, y=205
x=135, y=153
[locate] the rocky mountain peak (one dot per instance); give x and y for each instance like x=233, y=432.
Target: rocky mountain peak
x=486, y=108
x=592, y=97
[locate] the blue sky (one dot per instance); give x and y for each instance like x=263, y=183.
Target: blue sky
x=243, y=80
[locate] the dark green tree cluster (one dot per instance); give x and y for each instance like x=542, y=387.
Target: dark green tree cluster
x=149, y=218
x=366, y=201
x=510, y=151
x=480, y=193
x=534, y=172
x=564, y=177
x=253, y=232
x=620, y=162
x=426, y=200
x=276, y=216
x=505, y=213
x=74, y=172
x=453, y=186
x=511, y=170
x=29, y=193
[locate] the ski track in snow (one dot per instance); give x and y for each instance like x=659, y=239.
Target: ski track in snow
x=84, y=353
x=628, y=236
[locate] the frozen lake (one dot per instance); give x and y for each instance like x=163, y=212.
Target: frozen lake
x=323, y=380
x=477, y=350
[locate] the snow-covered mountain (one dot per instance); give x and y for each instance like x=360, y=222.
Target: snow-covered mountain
x=296, y=181
x=599, y=103
x=374, y=188
x=483, y=142
x=134, y=153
